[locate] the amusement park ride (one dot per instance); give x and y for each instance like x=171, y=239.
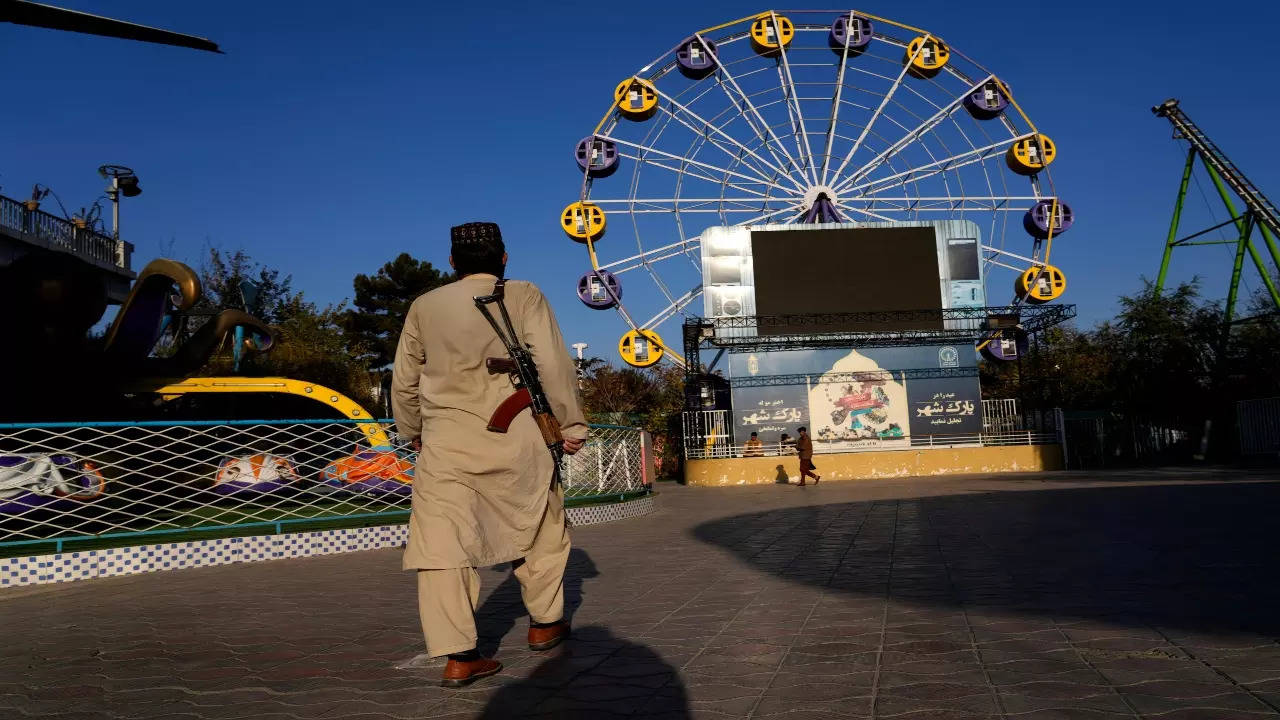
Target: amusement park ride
x=1259, y=213
x=784, y=149
x=54, y=297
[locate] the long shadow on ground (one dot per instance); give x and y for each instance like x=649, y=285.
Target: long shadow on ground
x=593, y=674
x=1200, y=558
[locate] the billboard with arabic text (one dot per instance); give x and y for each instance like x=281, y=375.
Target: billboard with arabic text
x=852, y=398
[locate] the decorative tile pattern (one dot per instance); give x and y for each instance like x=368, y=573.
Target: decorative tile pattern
x=593, y=514
x=112, y=562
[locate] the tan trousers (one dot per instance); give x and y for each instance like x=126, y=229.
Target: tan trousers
x=447, y=598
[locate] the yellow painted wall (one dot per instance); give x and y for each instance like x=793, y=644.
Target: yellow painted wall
x=878, y=464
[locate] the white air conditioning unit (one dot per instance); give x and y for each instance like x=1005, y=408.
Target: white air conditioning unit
x=728, y=302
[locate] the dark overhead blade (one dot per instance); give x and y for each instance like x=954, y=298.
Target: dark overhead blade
x=22, y=12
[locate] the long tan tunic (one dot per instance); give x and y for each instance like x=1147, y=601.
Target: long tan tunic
x=478, y=496
x=804, y=447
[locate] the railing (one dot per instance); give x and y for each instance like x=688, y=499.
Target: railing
x=81, y=483
x=1001, y=415
x=1021, y=437
x=62, y=234
x=1259, y=426
x=709, y=433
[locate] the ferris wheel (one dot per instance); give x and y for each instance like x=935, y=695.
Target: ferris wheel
x=814, y=117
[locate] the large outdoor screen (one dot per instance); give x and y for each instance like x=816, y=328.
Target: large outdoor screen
x=846, y=270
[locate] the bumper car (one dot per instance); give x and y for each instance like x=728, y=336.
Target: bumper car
x=35, y=480
x=370, y=472
x=254, y=474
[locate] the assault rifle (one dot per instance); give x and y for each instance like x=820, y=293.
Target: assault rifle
x=524, y=375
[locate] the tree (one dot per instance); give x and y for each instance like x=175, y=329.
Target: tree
x=1254, y=363
x=309, y=344
x=1164, y=348
x=235, y=281
x=651, y=398
x=381, y=303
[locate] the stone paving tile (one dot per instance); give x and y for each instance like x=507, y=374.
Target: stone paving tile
x=1055, y=597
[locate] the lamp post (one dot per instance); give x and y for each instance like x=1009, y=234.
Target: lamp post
x=579, y=347
x=123, y=182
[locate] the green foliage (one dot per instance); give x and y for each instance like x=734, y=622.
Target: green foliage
x=381, y=303
x=1162, y=356
x=235, y=281
x=647, y=397
x=310, y=343
x=651, y=398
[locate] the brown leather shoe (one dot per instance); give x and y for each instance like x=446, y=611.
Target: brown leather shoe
x=545, y=638
x=458, y=673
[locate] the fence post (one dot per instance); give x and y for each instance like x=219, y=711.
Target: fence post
x=1060, y=423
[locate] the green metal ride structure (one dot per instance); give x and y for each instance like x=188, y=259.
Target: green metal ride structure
x=1259, y=212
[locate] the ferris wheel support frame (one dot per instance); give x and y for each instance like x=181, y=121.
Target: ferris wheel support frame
x=1258, y=212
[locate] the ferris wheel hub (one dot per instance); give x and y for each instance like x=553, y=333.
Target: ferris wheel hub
x=813, y=194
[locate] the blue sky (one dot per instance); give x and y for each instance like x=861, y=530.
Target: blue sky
x=326, y=141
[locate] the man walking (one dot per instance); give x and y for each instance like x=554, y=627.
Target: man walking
x=479, y=497
x=804, y=448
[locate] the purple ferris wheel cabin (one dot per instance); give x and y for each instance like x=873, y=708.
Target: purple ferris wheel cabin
x=696, y=58
x=596, y=156
x=854, y=30
x=1036, y=221
x=599, y=289
x=1006, y=347
x=987, y=102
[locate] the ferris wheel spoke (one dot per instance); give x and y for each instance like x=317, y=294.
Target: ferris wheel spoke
x=653, y=255
x=723, y=183
x=991, y=203
x=912, y=136
x=756, y=180
x=738, y=156
x=793, y=123
x=762, y=130
x=1001, y=252
x=897, y=83
x=835, y=108
x=758, y=218
x=790, y=91
x=682, y=204
x=914, y=175
x=862, y=211
x=676, y=306
x=710, y=126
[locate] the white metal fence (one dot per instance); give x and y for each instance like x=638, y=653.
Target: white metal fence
x=62, y=480
x=1259, y=422
x=1002, y=415
x=1021, y=437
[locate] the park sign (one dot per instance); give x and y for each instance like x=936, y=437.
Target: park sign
x=855, y=398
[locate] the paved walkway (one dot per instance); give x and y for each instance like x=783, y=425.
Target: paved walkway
x=1152, y=595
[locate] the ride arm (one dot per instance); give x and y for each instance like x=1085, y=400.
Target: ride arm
x=406, y=375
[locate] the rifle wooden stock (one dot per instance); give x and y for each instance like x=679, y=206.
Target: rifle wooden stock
x=550, y=428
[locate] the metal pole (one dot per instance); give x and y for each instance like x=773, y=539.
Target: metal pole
x=1234, y=289
x=1271, y=247
x=580, y=347
x=114, y=194
x=1177, y=216
x=1245, y=226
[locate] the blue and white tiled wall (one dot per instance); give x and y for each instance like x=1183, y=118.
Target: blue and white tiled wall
x=111, y=562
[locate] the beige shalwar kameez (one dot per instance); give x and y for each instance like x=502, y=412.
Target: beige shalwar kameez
x=480, y=498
